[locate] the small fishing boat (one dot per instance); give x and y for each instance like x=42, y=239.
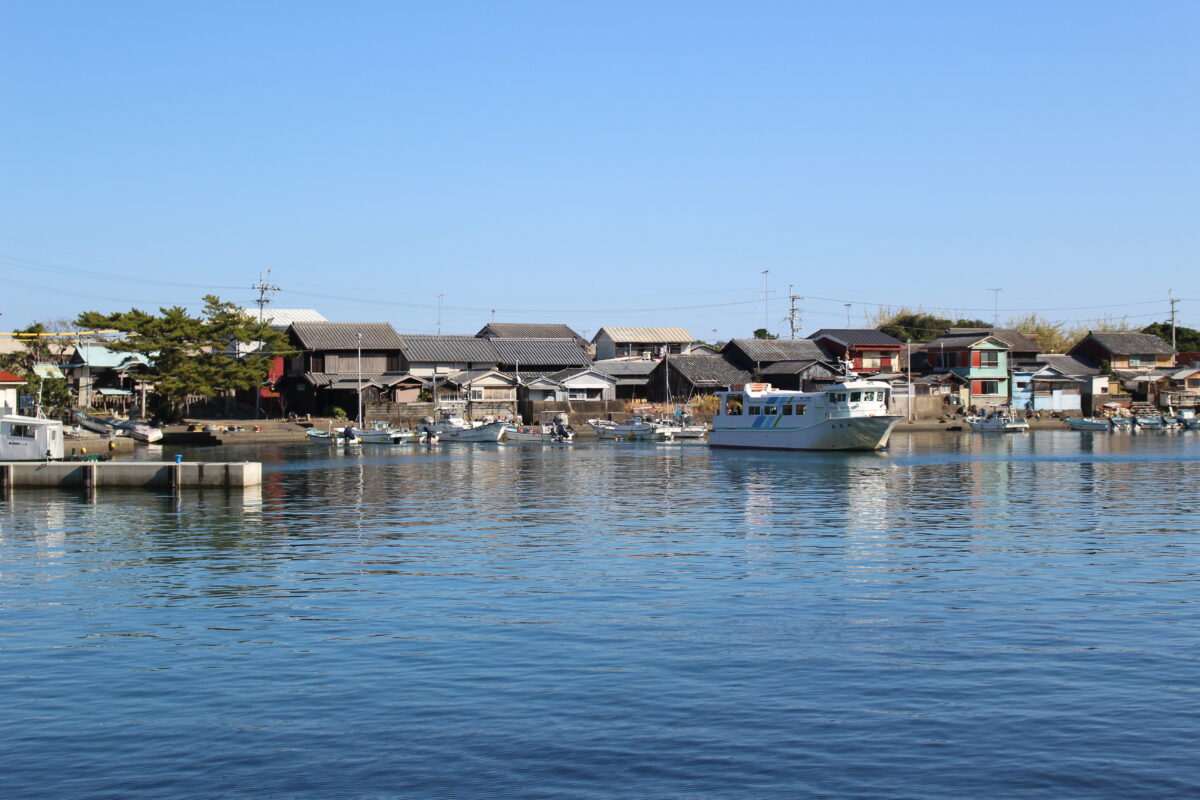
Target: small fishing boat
x=382, y=432
x=1149, y=421
x=1088, y=424
x=1188, y=419
x=93, y=424
x=552, y=430
x=633, y=428
x=335, y=438
x=1120, y=423
x=450, y=427
x=1001, y=421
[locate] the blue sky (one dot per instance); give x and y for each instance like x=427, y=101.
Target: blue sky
x=602, y=163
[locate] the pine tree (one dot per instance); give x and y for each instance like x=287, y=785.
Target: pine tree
x=194, y=356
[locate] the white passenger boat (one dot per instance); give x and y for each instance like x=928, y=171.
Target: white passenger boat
x=632, y=428
x=852, y=415
x=450, y=427
x=30, y=438
x=382, y=432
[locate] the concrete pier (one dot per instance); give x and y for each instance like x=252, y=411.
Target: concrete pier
x=92, y=476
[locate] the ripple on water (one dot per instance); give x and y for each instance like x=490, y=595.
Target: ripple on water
x=962, y=616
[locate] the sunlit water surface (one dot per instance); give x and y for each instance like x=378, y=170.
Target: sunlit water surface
x=962, y=616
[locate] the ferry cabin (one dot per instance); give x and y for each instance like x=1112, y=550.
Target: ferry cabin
x=847, y=416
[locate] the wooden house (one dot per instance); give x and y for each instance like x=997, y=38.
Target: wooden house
x=678, y=379
x=1137, y=352
x=336, y=361
x=869, y=351
x=640, y=342
x=981, y=359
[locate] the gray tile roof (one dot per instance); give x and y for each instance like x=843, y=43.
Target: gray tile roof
x=527, y=330
x=622, y=334
x=1067, y=365
x=564, y=374
x=1013, y=338
x=858, y=336
x=344, y=335
x=1125, y=344
x=541, y=352
x=962, y=339
x=349, y=380
x=766, y=351
x=707, y=370
x=623, y=368
x=427, y=349
x=808, y=368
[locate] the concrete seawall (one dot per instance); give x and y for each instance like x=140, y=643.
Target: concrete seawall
x=137, y=474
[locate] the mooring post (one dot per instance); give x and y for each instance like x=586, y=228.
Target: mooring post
x=89, y=480
x=177, y=478
x=6, y=482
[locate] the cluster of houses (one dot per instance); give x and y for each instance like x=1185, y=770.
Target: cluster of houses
x=507, y=363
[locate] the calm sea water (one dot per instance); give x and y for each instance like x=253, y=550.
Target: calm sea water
x=960, y=617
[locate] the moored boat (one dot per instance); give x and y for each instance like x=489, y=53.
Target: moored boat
x=635, y=427
x=552, y=430
x=998, y=421
x=30, y=438
x=450, y=427
x=852, y=415
x=1088, y=424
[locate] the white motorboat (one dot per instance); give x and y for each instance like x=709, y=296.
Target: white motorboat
x=852, y=415
x=335, y=438
x=450, y=427
x=381, y=432
x=1088, y=424
x=141, y=432
x=633, y=428
x=553, y=430
x=680, y=427
x=1001, y=421
x=30, y=438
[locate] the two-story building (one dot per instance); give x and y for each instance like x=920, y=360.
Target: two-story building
x=869, y=351
x=641, y=342
x=1136, y=352
x=981, y=360
x=335, y=362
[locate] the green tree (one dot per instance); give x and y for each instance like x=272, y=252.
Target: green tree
x=193, y=356
x=1186, y=339
x=763, y=333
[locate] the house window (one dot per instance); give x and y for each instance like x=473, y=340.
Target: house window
x=393, y=362
x=1193, y=383
x=477, y=394
x=577, y=394
x=989, y=387
x=317, y=363
x=1142, y=360
x=989, y=358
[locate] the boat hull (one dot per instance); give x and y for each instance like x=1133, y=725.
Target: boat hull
x=1088, y=425
x=491, y=432
x=847, y=433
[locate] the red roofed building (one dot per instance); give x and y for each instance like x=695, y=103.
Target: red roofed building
x=9, y=384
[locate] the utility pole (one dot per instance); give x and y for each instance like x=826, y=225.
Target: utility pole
x=264, y=289
x=995, y=307
x=359, y=337
x=848, y=314
x=766, y=314
x=908, y=365
x=1173, y=300
x=794, y=316
x=439, y=325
